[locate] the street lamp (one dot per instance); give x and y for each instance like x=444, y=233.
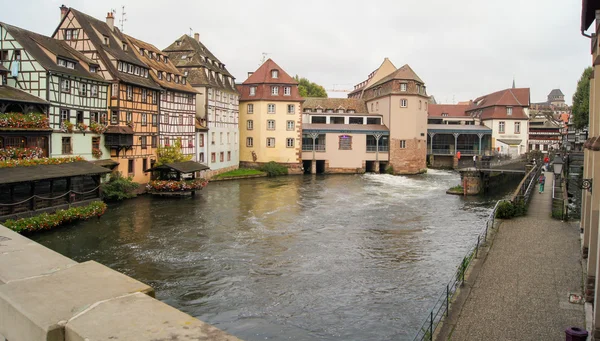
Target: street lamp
x=558, y=165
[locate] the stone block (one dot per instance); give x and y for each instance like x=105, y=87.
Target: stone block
x=21, y=257
x=37, y=308
x=138, y=317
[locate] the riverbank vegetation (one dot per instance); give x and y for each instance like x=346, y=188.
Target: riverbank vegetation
x=508, y=209
x=274, y=169
x=47, y=221
x=456, y=190
x=119, y=187
x=240, y=172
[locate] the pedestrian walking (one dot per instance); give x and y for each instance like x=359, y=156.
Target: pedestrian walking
x=546, y=162
x=542, y=181
x=475, y=161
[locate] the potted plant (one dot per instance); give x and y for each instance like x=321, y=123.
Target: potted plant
x=97, y=128
x=96, y=153
x=82, y=127
x=67, y=126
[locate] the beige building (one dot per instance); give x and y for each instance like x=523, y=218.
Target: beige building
x=400, y=97
x=270, y=118
x=340, y=136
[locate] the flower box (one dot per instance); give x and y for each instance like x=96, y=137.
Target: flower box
x=176, y=186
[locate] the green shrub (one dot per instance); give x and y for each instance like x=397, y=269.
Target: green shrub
x=519, y=208
x=505, y=210
x=119, y=187
x=274, y=169
x=47, y=221
x=389, y=170
x=457, y=188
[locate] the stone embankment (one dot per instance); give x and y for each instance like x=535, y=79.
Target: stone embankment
x=46, y=296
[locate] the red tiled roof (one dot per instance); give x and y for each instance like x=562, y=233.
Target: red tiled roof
x=494, y=105
x=453, y=110
x=263, y=75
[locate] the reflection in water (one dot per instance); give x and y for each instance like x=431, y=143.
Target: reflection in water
x=357, y=257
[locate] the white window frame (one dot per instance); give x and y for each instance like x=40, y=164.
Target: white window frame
x=290, y=125
x=270, y=142
x=94, y=90
x=501, y=127
x=249, y=125
x=274, y=91
x=249, y=142
x=250, y=108
x=402, y=144
x=65, y=85
x=403, y=103
x=517, y=127
x=403, y=86
x=129, y=92
x=287, y=91
x=290, y=142
x=270, y=124
x=252, y=91
x=274, y=74
x=509, y=111
x=271, y=108
x=293, y=109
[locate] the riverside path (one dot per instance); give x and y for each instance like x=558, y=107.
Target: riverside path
x=522, y=289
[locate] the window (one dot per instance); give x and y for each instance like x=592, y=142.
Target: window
x=345, y=142
x=250, y=108
x=143, y=142
x=168, y=77
x=64, y=115
x=96, y=142
x=94, y=91
x=115, y=90
x=291, y=109
x=373, y=120
x=290, y=125
x=228, y=138
x=17, y=55
x=201, y=157
x=82, y=89
x=222, y=156
x=402, y=144
x=289, y=143
x=130, y=167
x=129, y=92
x=228, y=156
x=271, y=142
x=129, y=117
x=355, y=120
x=419, y=105
x=336, y=120
x=212, y=140
x=201, y=140
x=94, y=117
x=114, y=117
x=144, y=164
x=105, y=40
x=517, y=127
x=144, y=95
x=501, y=127
x=221, y=138
x=103, y=118
x=274, y=90
x=252, y=91
x=270, y=124
x=154, y=140
x=287, y=91
x=509, y=110
x=274, y=74
x=4, y=55
x=144, y=119
x=154, y=120
x=160, y=75
x=249, y=142
x=402, y=86
x=403, y=103
x=213, y=157
x=271, y=108
x=65, y=85
x=66, y=145
x=154, y=97
x=318, y=120
x=79, y=116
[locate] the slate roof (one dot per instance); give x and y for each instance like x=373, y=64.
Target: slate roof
x=43, y=172
x=33, y=44
x=8, y=93
x=156, y=65
x=555, y=92
x=92, y=25
x=263, y=75
x=453, y=110
x=403, y=73
x=181, y=167
x=192, y=56
x=358, y=105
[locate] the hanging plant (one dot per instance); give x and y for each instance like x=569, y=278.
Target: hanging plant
x=82, y=127
x=97, y=128
x=97, y=153
x=67, y=126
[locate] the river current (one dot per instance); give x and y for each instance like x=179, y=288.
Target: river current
x=337, y=257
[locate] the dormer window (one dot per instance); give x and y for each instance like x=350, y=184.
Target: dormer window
x=402, y=86
x=177, y=79
x=141, y=51
x=166, y=59
x=252, y=91
x=184, y=56
x=178, y=43
x=158, y=57
x=150, y=54
x=105, y=40
x=168, y=77
x=66, y=63
x=183, y=80
x=185, y=73
x=93, y=69
x=509, y=111
x=160, y=75
x=274, y=74
x=444, y=114
x=124, y=46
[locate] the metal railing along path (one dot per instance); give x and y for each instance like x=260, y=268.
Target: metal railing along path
x=441, y=307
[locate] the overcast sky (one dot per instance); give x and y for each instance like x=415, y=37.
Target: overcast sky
x=461, y=49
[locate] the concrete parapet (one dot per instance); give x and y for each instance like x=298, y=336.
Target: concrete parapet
x=137, y=317
x=21, y=258
x=37, y=308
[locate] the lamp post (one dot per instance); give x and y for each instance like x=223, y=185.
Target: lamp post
x=558, y=166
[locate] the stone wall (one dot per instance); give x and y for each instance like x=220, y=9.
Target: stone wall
x=46, y=296
x=471, y=181
x=409, y=160
x=208, y=174
x=441, y=161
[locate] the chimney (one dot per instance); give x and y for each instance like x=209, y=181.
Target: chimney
x=250, y=74
x=197, y=37
x=63, y=11
x=110, y=21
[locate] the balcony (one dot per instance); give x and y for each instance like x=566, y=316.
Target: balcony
x=309, y=148
x=373, y=149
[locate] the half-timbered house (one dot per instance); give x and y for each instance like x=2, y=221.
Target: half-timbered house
x=132, y=133
x=217, y=103
x=177, y=100
x=54, y=72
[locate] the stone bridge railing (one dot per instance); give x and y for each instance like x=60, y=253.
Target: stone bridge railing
x=46, y=296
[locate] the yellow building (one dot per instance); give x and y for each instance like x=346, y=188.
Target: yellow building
x=270, y=119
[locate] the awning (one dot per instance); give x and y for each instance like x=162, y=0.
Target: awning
x=119, y=130
x=181, y=167
x=109, y=163
x=44, y=172
x=510, y=142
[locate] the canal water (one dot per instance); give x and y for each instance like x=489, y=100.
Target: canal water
x=338, y=257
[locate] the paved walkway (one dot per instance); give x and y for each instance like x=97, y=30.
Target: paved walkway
x=522, y=291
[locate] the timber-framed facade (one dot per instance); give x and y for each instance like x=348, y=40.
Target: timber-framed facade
x=132, y=116
x=50, y=70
